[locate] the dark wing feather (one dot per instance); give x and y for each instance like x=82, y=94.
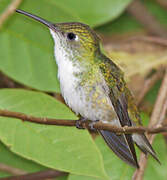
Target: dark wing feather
x=117, y=96
x=121, y=109
x=124, y=105
x=119, y=146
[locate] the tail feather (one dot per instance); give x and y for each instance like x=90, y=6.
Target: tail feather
x=144, y=145
x=122, y=146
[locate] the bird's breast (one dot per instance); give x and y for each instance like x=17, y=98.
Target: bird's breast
x=89, y=97
x=86, y=93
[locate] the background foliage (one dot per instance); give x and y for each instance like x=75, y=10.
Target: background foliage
x=26, y=56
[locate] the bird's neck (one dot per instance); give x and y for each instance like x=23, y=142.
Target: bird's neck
x=76, y=68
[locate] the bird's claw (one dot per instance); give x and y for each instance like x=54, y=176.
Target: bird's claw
x=91, y=125
x=79, y=123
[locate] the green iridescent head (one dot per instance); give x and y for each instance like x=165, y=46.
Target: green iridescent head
x=76, y=37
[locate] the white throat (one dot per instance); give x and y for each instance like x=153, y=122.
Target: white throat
x=66, y=69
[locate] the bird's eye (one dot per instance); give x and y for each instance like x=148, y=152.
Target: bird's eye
x=71, y=36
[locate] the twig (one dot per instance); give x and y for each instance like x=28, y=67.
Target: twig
x=165, y=134
x=37, y=175
x=151, y=39
x=148, y=84
x=9, y=10
x=6, y=82
x=157, y=118
x=48, y=121
x=159, y=110
x=143, y=16
x=11, y=170
x=163, y=3
x=59, y=97
x=99, y=125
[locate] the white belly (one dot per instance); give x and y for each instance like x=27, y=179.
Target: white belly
x=80, y=101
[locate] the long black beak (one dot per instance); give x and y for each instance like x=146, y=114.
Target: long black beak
x=37, y=18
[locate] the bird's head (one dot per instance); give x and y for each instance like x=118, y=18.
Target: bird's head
x=73, y=38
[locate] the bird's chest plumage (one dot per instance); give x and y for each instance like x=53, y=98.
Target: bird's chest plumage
x=87, y=99
x=69, y=84
x=84, y=95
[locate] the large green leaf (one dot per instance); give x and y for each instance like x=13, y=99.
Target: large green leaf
x=11, y=159
x=63, y=148
x=115, y=168
x=96, y=12
x=155, y=171
x=4, y=4
x=26, y=48
x=126, y=23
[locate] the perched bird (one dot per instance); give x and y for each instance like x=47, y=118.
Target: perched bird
x=93, y=86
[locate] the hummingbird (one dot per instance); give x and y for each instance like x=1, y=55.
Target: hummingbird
x=93, y=86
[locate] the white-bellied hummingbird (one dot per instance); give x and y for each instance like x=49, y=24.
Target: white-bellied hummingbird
x=93, y=86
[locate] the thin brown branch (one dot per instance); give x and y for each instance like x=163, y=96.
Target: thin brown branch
x=99, y=125
x=157, y=118
x=165, y=134
x=37, y=175
x=48, y=121
x=11, y=170
x=144, y=17
x=151, y=39
x=148, y=84
x=6, y=82
x=163, y=3
x=158, y=113
x=9, y=10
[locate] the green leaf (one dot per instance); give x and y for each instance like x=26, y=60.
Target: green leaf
x=158, y=11
x=26, y=48
x=76, y=177
x=155, y=171
x=11, y=159
x=152, y=94
x=63, y=148
x=3, y=5
x=126, y=23
x=62, y=177
x=115, y=168
x=96, y=12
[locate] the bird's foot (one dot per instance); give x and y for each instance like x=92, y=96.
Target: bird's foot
x=79, y=123
x=124, y=129
x=91, y=125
